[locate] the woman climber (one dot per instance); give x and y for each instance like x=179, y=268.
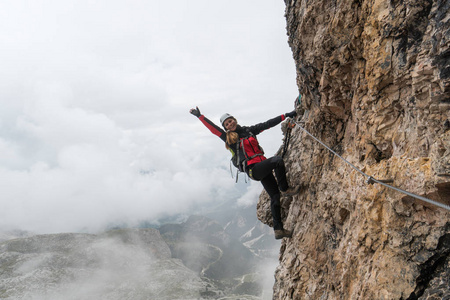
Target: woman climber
x=242, y=142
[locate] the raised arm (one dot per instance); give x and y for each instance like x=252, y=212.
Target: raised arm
x=258, y=128
x=216, y=130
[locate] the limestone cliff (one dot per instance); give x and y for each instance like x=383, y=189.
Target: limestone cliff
x=375, y=80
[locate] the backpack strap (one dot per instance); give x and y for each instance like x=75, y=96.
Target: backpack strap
x=245, y=154
x=242, y=164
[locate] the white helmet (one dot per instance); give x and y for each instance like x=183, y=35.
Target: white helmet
x=224, y=117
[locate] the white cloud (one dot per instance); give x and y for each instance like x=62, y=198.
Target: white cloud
x=94, y=126
x=251, y=196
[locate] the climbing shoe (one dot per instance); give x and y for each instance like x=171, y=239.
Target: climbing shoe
x=279, y=234
x=291, y=191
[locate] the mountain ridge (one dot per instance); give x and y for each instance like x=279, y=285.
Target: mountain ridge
x=131, y=263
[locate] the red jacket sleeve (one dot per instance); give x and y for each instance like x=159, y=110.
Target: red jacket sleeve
x=216, y=130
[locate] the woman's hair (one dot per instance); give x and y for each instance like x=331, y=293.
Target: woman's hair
x=232, y=138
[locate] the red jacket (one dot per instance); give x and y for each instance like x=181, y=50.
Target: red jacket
x=247, y=136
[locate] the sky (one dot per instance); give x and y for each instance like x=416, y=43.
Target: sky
x=95, y=96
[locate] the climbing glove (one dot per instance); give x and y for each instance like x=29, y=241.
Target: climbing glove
x=290, y=114
x=196, y=112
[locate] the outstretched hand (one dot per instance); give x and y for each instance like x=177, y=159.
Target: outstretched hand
x=195, y=111
x=290, y=114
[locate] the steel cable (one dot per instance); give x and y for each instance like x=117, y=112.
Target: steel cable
x=370, y=179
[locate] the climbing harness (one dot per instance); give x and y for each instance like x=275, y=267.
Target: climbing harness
x=237, y=173
x=370, y=179
x=289, y=126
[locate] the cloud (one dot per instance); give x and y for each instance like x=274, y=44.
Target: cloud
x=94, y=126
x=251, y=196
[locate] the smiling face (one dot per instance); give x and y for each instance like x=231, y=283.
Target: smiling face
x=230, y=124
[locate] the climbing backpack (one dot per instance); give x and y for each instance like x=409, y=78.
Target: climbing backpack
x=237, y=158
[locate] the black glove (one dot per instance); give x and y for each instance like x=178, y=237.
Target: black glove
x=290, y=114
x=195, y=112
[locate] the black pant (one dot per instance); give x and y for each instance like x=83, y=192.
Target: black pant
x=262, y=171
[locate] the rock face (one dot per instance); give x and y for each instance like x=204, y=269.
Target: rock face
x=375, y=81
